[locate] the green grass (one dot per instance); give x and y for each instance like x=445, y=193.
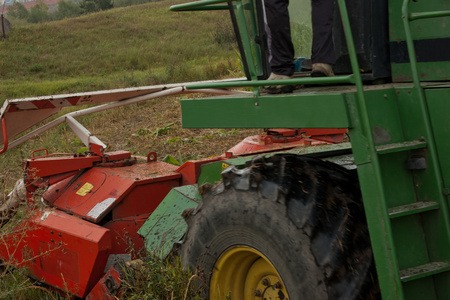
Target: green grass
x=157, y=278
x=138, y=45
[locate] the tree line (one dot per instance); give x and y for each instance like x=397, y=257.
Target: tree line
x=66, y=9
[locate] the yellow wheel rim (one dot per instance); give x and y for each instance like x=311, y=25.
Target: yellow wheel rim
x=245, y=273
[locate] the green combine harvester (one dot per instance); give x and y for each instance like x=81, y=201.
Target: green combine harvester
x=364, y=219
x=399, y=142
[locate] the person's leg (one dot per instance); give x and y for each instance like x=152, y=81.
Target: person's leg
x=280, y=43
x=322, y=52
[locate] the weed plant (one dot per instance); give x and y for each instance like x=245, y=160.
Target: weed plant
x=14, y=281
x=154, y=278
x=158, y=278
x=302, y=39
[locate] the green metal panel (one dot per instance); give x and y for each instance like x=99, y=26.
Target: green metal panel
x=413, y=126
x=211, y=173
x=418, y=237
x=285, y=111
x=427, y=71
x=430, y=31
x=200, y=5
x=417, y=291
x=439, y=106
x=245, y=13
x=397, y=181
x=442, y=283
x=409, y=241
x=428, y=183
x=385, y=124
x=387, y=128
x=421, y=29
x=438, y=101
x=374, y=205
x=380, y=235
x=166, y=226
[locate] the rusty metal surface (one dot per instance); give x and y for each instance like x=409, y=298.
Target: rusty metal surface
x=279, y=139
x=144, y=199
x=59, y=249
x=108, y=287
x=166, y=225
x=48, y=166
x=146, y=172
x=190, y=170
x=98, y=190
x=67, y=252
x=125, y=238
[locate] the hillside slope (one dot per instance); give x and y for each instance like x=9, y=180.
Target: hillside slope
x=137, y=45
x=132, y=46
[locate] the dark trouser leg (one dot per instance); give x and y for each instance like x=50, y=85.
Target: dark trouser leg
x=281, y=48
x=322, y=25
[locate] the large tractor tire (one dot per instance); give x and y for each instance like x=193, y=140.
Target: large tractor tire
x=285, y=227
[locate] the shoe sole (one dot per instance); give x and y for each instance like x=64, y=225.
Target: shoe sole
x=285, y=89
x=318, y=74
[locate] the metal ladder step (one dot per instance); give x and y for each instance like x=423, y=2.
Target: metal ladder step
x=414, y=208
x=397, y=147
x=424, y=271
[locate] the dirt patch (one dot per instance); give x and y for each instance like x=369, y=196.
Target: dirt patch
x=156, y=126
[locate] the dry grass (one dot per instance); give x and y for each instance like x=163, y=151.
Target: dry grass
x=139, y=128
x=156, y=126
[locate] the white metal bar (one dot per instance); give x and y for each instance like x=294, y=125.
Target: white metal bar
x=82, y=133
x=50, y=125
x=83, y=112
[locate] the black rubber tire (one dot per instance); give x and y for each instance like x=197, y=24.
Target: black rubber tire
x=303, y=214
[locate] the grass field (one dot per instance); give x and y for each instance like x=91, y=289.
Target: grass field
x=124, y=47
x=138, y=45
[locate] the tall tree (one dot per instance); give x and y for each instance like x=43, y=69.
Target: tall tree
x=68, y=9
x=18, y=10
x=95, y=5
